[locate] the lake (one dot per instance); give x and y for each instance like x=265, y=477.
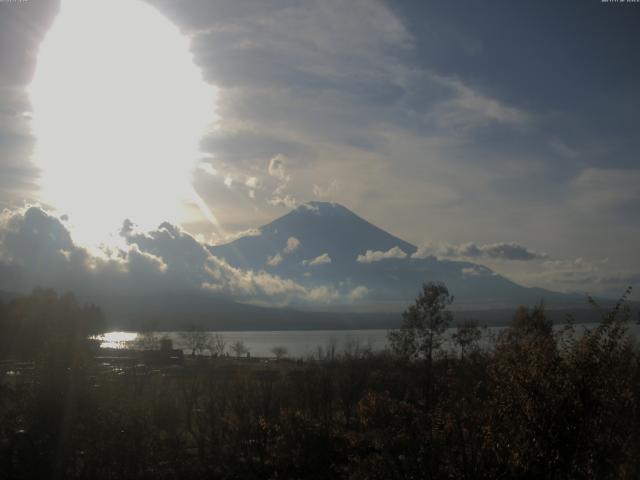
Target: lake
x=301, y=344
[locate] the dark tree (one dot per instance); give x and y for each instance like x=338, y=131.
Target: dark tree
x=467, y=336
x=28, y=323
x=238, y=347
x=423, y=324
x=279, y=352
x=531, y=321
x=197, y=340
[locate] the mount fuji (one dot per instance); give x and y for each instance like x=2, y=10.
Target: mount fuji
x=320, y=243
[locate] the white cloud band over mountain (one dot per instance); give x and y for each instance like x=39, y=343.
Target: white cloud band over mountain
x=371, y=256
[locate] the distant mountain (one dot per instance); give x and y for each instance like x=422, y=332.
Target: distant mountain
x=329, y=239
x=180, y=311
x=321, y=228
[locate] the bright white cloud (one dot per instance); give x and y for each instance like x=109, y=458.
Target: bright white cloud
x=371, y=256
x=359, y=293
x=292, y=244
x=251, y=232
x=319, y=260
x=252, y=182
x=207, y=168
x=471, y=271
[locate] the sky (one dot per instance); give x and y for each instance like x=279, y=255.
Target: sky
x=450, y=126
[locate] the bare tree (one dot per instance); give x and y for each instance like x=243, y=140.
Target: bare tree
x=239, y=348
x=279, y=351
x=332, y=347
x=197, y=340
x=218, y=345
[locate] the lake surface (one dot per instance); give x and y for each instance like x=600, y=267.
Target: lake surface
x=299, y=344
x=302, y=344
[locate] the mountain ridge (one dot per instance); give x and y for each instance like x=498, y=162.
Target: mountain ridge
x=338, y=240
x=332, y=218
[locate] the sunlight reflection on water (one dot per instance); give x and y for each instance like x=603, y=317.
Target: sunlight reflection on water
x=116, y=339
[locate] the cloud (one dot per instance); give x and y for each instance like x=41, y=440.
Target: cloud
x=353, y=87
x=598, y=276
x=274, y=260
x=498, y=251
x=316, y=87
x=277, y=168
x=606, y=188
x=622, y=279
x=250, y=232
x=328, y=192
x=323, y=294
x=467, y=107
x=234, y=180
x=359, y=293
x=38, y=244
x=207, y=168
x=26, y=25
x=292, y=245
x=286, y=201
x=319, y=260
x=470, y=272
x=252, y=183
x=18, y=176
x=371, y=256
x=36, y=248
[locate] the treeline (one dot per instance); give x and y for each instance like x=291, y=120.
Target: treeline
x=538, y=403
x=31, y=323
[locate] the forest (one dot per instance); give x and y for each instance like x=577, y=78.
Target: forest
x=534, y=402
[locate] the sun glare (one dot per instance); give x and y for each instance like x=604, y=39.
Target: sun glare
x=119, y=108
